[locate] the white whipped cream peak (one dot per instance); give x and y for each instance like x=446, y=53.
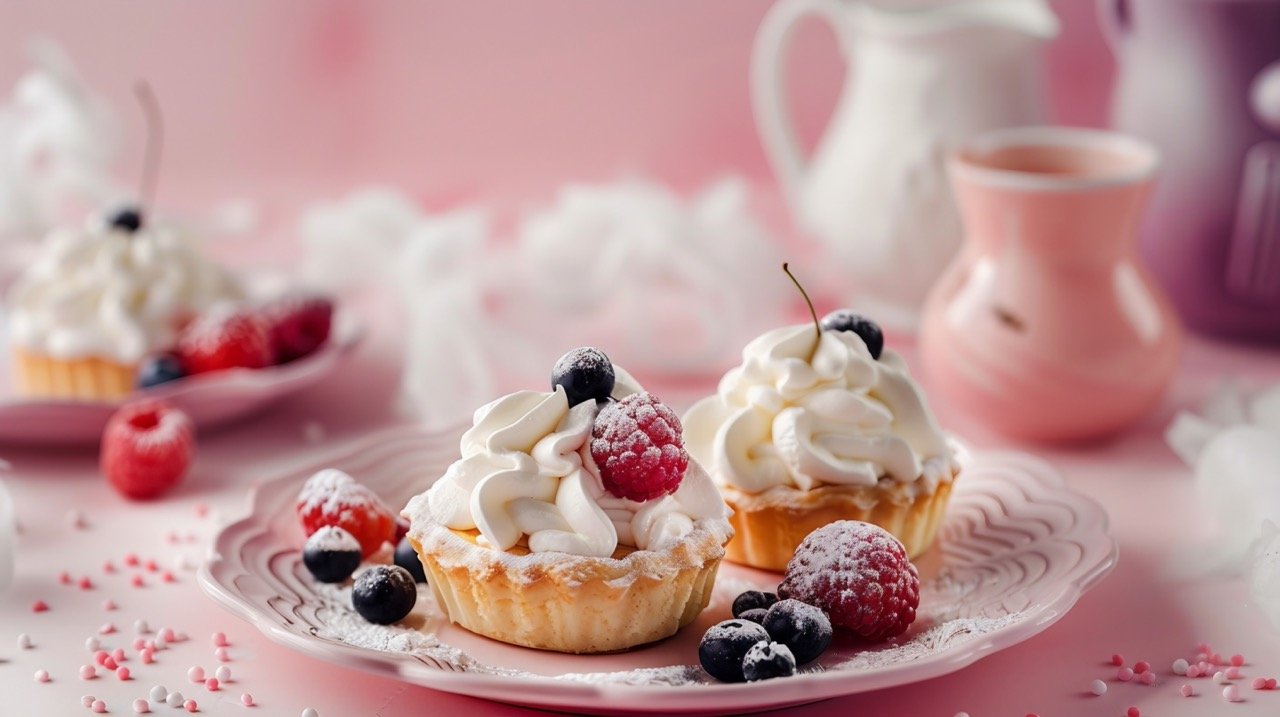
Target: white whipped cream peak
x=106, y=293
x=526, y=470
x=805, y=410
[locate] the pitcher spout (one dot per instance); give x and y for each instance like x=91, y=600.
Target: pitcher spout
x=1032, y=18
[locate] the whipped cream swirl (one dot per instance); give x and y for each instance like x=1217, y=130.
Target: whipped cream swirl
x=841, y=417
x=526, y=470
x=106, y=293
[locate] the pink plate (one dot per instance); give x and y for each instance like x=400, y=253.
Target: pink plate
x=1017, y=550
x=210, y=399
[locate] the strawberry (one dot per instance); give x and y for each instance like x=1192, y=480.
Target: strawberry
x=331, y=497
x=224, y=339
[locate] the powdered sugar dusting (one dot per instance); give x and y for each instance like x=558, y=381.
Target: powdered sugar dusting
x=331, y=538
x=333, y=492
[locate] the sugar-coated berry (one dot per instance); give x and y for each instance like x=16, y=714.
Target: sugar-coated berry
x=766, y=660
x=859, y=575
x=755, y=614
x=724, y=646
x=127, y=218
x=407, y=558
x=297, y=325
x=331, y=554
x=147, y=448
x=803, y=628
x=384, y=594
x=586, y=374
x=753, y=599
x=158, y=369
x=225, y=340
x=638, y=446
x=866, y=329
x=331, y=497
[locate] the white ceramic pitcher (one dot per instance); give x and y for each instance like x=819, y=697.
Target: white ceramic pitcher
x=922, y=79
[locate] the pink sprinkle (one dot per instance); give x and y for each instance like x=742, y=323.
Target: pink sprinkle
x=131, y=560
x=1271, y=683
x=109, y=663
x=64, y=577
x=1124, y=674
x=196, y=674
x=168, y=577
x=1231, y=693
x=118, y=654
x=1237, y=660
x=201, y=510
x=152, y=565
x=220, y=639
x=1141, y=667
x=211, y=684
x=221, y=654
x=246, y=699
x=122, y=673
x=108, y=567
x=98, y=706
x=1117, y=660
x=1193, y=671
x=190, y=706
x=167, y=635
x=86, y=583
x=1216, y=659
x=147, y=656
x=138, y=582
x=140, y=706
x=87, y=672
x=1187, y=691
x=1133, y=712
x=1147, y=678
x=108, y=604
x=150, y=645
x=1233, y=673
x=106, y=629
x=39, y=606
x=42, y=675
x=1206, y=668
x=1259, y=683
x=101, y=656
x=139, y=643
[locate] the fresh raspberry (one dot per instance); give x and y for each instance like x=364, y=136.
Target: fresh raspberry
x=221, y=340
x=859, y=574
x=332, y=497
x=298, y=325
x=147, y=448
x=638, y=445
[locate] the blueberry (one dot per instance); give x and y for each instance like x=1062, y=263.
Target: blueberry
x=755, y=614
x=585, y=373
x=331, y=554
x=766, y=660
x=158, y=369
x=753, y=599
x=127, y=219
x=407, y=558
x=800, y=626
x=384, y=594
x=725, y=644
x=866, y=329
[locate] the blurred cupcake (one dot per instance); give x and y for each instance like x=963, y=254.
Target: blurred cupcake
x=99, y=299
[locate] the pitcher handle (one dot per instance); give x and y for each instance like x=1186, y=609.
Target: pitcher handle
x=1116, y=19
x=768, y=86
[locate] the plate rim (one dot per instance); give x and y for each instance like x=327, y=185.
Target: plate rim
x=555, y=692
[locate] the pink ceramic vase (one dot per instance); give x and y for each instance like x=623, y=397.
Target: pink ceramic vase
x=1046, y=326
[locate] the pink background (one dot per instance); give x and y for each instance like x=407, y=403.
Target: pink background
x=460, y=99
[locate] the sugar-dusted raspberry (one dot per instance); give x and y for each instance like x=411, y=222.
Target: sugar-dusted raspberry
x=638, y=445
x=147, y=448
x=298, y=325
x=224, y=339
x=859, y=574
x=331, y=497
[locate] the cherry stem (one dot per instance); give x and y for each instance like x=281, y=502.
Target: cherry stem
x=155, y=142
x=817, y=327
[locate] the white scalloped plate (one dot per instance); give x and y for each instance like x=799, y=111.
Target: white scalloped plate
x=1016, y=551
x=210, y=399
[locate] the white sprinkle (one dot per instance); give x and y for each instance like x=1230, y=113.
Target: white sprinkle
x=196, y=674
x=221, y=654
x=158, y=693
x=310, y=712
x=140, y=706
x=159, y=642
x=92, y=644
x=1180, y=666
x=42, y=675
x=1220, y=678
x=141, y=627
x=1098, y=688
x=1231, y=693
x=86, y=700
x=24, y=641
x=175, y=699
x=223, y=674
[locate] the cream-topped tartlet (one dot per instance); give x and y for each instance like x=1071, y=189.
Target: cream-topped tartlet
x=820, y=424
x=574, y=520
x=100, y=298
